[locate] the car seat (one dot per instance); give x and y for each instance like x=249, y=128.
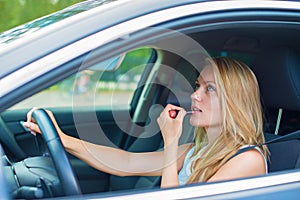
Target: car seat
x=278, y=74
x=285, y=155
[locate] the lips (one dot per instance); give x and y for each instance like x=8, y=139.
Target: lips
x=195, y=109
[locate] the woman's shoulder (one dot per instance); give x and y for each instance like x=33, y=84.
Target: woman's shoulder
x=250, y=155
x=250, y=160
x=246, y=164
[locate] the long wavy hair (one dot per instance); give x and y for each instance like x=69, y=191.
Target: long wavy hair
x=242, y=121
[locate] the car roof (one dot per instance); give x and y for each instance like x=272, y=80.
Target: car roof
x=90, y=17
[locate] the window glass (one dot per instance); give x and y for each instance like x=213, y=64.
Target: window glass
x=93, y=87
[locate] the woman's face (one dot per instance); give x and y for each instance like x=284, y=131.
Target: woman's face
x=205, y=102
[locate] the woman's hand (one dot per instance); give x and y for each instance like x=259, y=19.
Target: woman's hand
x=31, y=123
x=34, y=127
x=171, y=128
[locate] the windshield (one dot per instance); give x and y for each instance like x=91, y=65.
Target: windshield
x=40, y=23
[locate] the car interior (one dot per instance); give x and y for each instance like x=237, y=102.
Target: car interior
x=164, y=77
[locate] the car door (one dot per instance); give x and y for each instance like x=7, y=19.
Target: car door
x=92, y=104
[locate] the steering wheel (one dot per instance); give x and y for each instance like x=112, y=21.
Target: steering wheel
x=61, y=162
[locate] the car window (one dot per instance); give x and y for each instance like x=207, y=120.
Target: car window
x=90, y=87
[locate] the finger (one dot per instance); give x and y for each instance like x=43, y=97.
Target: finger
x=181, y=114
x=173, y=107
x=160, y=120
x=29, y=114
x=32, y=127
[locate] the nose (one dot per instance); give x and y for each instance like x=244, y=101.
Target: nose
x=196, y=95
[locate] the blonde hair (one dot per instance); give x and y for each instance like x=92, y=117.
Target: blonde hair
x=242, y=122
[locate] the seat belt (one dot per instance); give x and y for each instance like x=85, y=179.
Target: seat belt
x=291, y=136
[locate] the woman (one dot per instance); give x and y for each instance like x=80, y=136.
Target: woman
x=227, y=114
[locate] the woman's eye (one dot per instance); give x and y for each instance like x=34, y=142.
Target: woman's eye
x=196, y=86
x=211, y=88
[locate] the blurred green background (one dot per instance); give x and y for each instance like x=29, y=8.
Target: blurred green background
x=17, y=12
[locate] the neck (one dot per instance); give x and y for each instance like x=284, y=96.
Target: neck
x=213, y=132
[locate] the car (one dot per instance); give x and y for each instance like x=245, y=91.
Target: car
x=107, y=68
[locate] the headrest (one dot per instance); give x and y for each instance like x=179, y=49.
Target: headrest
x=278, y=74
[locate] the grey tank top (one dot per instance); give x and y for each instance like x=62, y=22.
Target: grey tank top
x=186, y=170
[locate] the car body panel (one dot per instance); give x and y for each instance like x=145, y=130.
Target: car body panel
x=56, y=51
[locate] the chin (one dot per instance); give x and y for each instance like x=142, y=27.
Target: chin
x=196, y=123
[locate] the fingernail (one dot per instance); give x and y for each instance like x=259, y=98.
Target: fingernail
x=26, y=124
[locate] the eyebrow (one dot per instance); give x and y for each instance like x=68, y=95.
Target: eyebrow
x=206, y=82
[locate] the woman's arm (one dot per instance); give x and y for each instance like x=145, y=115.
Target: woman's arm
x=171, y=129
x=120, y=162
x=112, y=160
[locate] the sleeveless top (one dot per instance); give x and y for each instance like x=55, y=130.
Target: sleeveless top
x=185, y=172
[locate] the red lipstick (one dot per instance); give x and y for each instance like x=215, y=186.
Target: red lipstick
x=173, y=113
